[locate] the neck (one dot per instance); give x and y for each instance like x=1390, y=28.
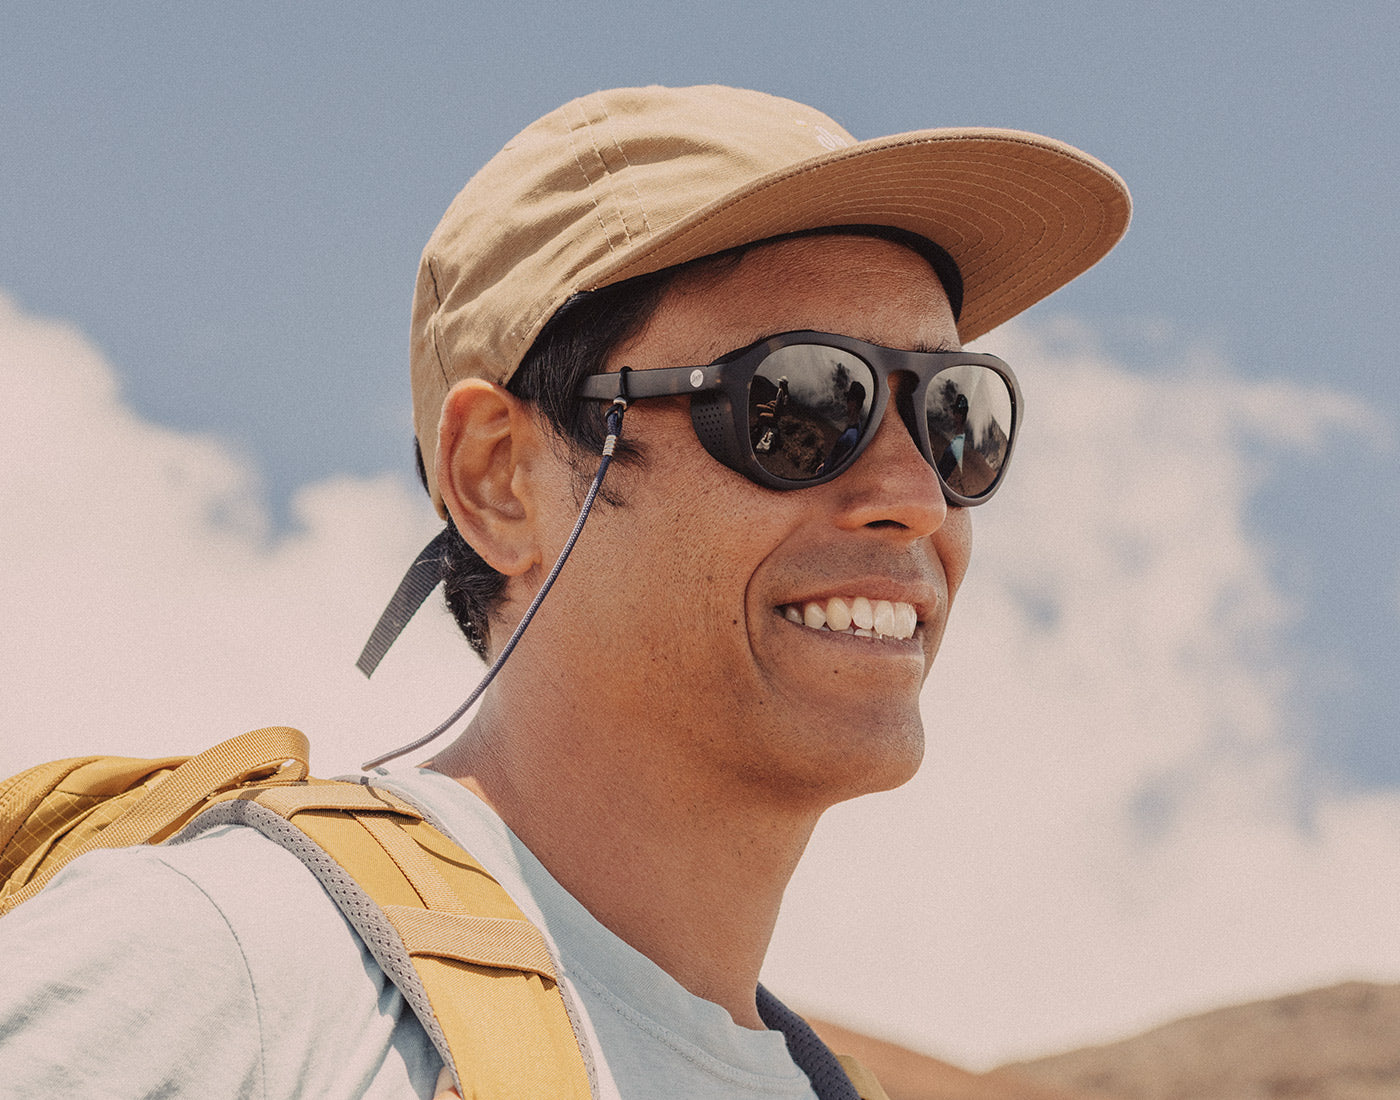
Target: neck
x=688, y=870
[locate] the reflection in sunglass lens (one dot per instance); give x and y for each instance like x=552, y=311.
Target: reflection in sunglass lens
x=969, y=424
x=808, y=407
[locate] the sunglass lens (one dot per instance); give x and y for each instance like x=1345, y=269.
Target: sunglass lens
x=969, y=411
x=808, y=408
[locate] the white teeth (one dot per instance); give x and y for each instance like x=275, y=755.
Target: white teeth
x=884, y=617
x=838, y=613
x=906, y=620
x=861, y=616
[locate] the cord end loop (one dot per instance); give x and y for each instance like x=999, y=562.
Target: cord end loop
x=613, y=416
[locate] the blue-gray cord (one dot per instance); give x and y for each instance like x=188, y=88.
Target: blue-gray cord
x=614, y=420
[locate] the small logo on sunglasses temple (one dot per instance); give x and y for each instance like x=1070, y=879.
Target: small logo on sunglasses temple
x=697, y=376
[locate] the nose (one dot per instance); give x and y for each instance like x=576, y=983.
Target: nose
x=891, y=486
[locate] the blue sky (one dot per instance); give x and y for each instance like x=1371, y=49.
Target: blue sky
x=227, y=203
x=230, y=201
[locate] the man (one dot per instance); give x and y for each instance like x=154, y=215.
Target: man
x=736, y=643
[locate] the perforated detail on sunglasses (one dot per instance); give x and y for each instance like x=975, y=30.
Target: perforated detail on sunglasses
x=710, y=416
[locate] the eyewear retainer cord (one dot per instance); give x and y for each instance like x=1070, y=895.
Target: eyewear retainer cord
x=614, y=425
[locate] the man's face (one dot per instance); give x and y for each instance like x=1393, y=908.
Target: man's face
x=678, y=606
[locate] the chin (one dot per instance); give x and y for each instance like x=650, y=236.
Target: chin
x=891, y=769
x=842, y=763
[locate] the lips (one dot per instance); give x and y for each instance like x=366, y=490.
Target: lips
x=857, y=615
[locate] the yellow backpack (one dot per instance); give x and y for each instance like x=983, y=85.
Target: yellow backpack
x=443, y=930
x=476, y=972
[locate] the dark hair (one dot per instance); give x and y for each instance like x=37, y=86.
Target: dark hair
x=576, y=342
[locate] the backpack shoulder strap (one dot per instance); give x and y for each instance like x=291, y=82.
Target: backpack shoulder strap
x=479, y=976
x=833, y=1076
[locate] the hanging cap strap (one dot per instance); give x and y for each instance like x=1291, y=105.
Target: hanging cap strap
x=422, y=577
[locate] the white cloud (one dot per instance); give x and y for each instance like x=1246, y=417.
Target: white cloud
x=148, y=609
x=1109, y=829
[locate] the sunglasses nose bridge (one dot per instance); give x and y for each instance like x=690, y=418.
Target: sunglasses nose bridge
x=904, y=386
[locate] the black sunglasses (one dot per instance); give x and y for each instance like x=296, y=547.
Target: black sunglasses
x=812, y=401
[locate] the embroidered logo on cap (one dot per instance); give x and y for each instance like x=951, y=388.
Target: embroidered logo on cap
x=827, y=139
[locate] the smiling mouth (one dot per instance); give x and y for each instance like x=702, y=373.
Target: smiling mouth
x=862, y=617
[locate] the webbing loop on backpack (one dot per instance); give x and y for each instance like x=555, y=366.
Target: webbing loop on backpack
x=482, y=941
x=74, y=807
x=237, y=760
x=417, y=866
x=327, y=794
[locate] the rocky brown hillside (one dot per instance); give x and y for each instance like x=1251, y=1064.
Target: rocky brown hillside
x=908, y=1075
x=1339, y=1043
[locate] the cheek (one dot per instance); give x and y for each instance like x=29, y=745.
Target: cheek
x=953, y=542
x=700, y=542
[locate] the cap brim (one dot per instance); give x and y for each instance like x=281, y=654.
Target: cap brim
x=1021, y=214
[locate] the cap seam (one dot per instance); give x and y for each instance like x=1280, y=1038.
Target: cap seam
x=627, y=163
x=534, y=318
x=434, y=319
x=586, y=124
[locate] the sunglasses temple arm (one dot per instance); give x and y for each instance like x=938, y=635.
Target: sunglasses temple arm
x=614, y=422
x=658, y=382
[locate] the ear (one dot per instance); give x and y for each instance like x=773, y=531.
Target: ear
x=488, y=440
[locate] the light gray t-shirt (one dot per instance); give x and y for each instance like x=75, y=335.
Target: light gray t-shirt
x=219, y=967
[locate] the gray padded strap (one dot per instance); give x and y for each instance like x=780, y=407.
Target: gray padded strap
x=812, y=1056
x=370, y=922
x=360, y=910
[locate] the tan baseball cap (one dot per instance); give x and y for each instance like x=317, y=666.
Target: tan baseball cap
x=626, y=182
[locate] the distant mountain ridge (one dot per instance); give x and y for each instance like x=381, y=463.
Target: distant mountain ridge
x=1337, y=1043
